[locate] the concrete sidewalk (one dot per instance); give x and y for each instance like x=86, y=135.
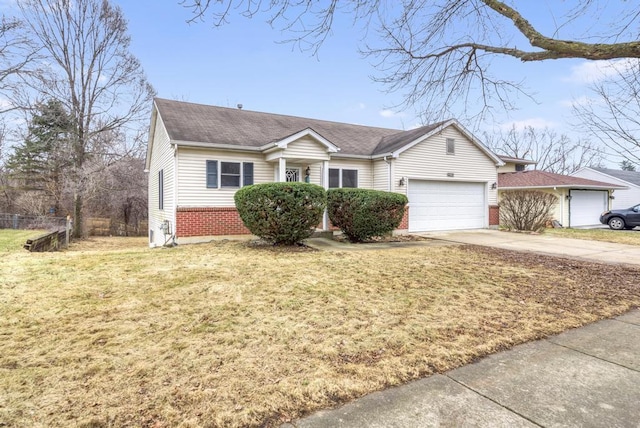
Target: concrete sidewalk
x=590, y=250
x=586, y=377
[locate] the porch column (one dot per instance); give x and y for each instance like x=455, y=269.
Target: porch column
x=325, y=184
x=282, y=170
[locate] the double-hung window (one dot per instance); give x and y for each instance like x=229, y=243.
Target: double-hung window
x=339, y=177
x=222, y=174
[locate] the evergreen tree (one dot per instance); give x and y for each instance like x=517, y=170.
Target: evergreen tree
x=38, y=163
x=626, y=165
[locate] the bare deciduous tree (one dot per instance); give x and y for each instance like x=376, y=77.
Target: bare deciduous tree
x=552, y=152
x=17, y=52
x=91, y=71
x=439, y=52
x=612, y=116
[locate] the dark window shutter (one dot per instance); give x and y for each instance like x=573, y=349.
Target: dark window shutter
x=212, y=174
x=247, y=173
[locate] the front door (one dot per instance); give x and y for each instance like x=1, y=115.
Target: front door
x=292, y=174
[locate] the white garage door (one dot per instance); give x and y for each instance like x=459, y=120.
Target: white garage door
x=585, y=207
x=446, y=205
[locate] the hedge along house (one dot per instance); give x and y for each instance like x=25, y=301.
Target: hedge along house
x=198, y=156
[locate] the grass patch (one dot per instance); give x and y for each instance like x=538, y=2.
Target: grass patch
x=13, y=240
x=629, y=237
x=111, y=333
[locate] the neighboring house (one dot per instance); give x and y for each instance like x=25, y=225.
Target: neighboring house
x=623, y=198
x=198, y=156
x=580, y=201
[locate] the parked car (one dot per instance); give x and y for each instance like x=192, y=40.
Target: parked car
x=627, y=218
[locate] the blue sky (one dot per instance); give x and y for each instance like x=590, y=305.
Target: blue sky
x=242, y=62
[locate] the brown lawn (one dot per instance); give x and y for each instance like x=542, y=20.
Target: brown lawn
x=111, y=333
x=629, y=237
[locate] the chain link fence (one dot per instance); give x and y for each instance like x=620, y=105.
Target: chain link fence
x=27, y=222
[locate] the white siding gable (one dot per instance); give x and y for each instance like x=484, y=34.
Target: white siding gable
x=429, y=160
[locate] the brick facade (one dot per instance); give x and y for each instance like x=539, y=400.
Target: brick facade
x=494, y=215
x=404, y=224
x=209, y=222
x=226, y=221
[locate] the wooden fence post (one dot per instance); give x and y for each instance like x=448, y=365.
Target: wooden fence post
x=68, y=230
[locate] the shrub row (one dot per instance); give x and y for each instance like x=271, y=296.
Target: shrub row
x=287, y=213
x=362, y=214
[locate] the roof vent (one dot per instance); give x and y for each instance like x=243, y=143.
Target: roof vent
x=239, y=106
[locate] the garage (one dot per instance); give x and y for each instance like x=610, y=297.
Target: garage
x=446, y=205
x=585, y=207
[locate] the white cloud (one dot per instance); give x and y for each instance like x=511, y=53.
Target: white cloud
x=390, y=113
x=5, y=104
x=534, y=122
x=594, y=71
x=575, y=102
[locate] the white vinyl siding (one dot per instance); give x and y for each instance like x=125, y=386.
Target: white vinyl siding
x=192, y=168
x=428, y=160
x=161, y=159
x=306, y=148
x=380, y=175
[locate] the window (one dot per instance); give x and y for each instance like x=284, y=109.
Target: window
x=161, y=189
x=229, y=174
x=343, y=178
x=451, y=146
x=292, y=175
x=519, y=167
x=349, y=178
x=334, y=178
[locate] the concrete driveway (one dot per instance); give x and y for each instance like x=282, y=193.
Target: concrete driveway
x=590, y=250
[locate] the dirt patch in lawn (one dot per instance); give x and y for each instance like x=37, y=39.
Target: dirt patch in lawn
x=386, y=238
x=225, y=334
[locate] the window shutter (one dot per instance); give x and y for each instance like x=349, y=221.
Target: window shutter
x=212, y=174
x=247, y=173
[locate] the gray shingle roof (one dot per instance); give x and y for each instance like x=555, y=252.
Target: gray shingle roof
x=537, y=178
x=229, y=126
x=628, y=176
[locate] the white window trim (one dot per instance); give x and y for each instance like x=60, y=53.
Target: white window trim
x=219, y=173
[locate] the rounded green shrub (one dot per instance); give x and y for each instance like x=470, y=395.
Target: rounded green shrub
x=362, y=214
x=281, y=213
